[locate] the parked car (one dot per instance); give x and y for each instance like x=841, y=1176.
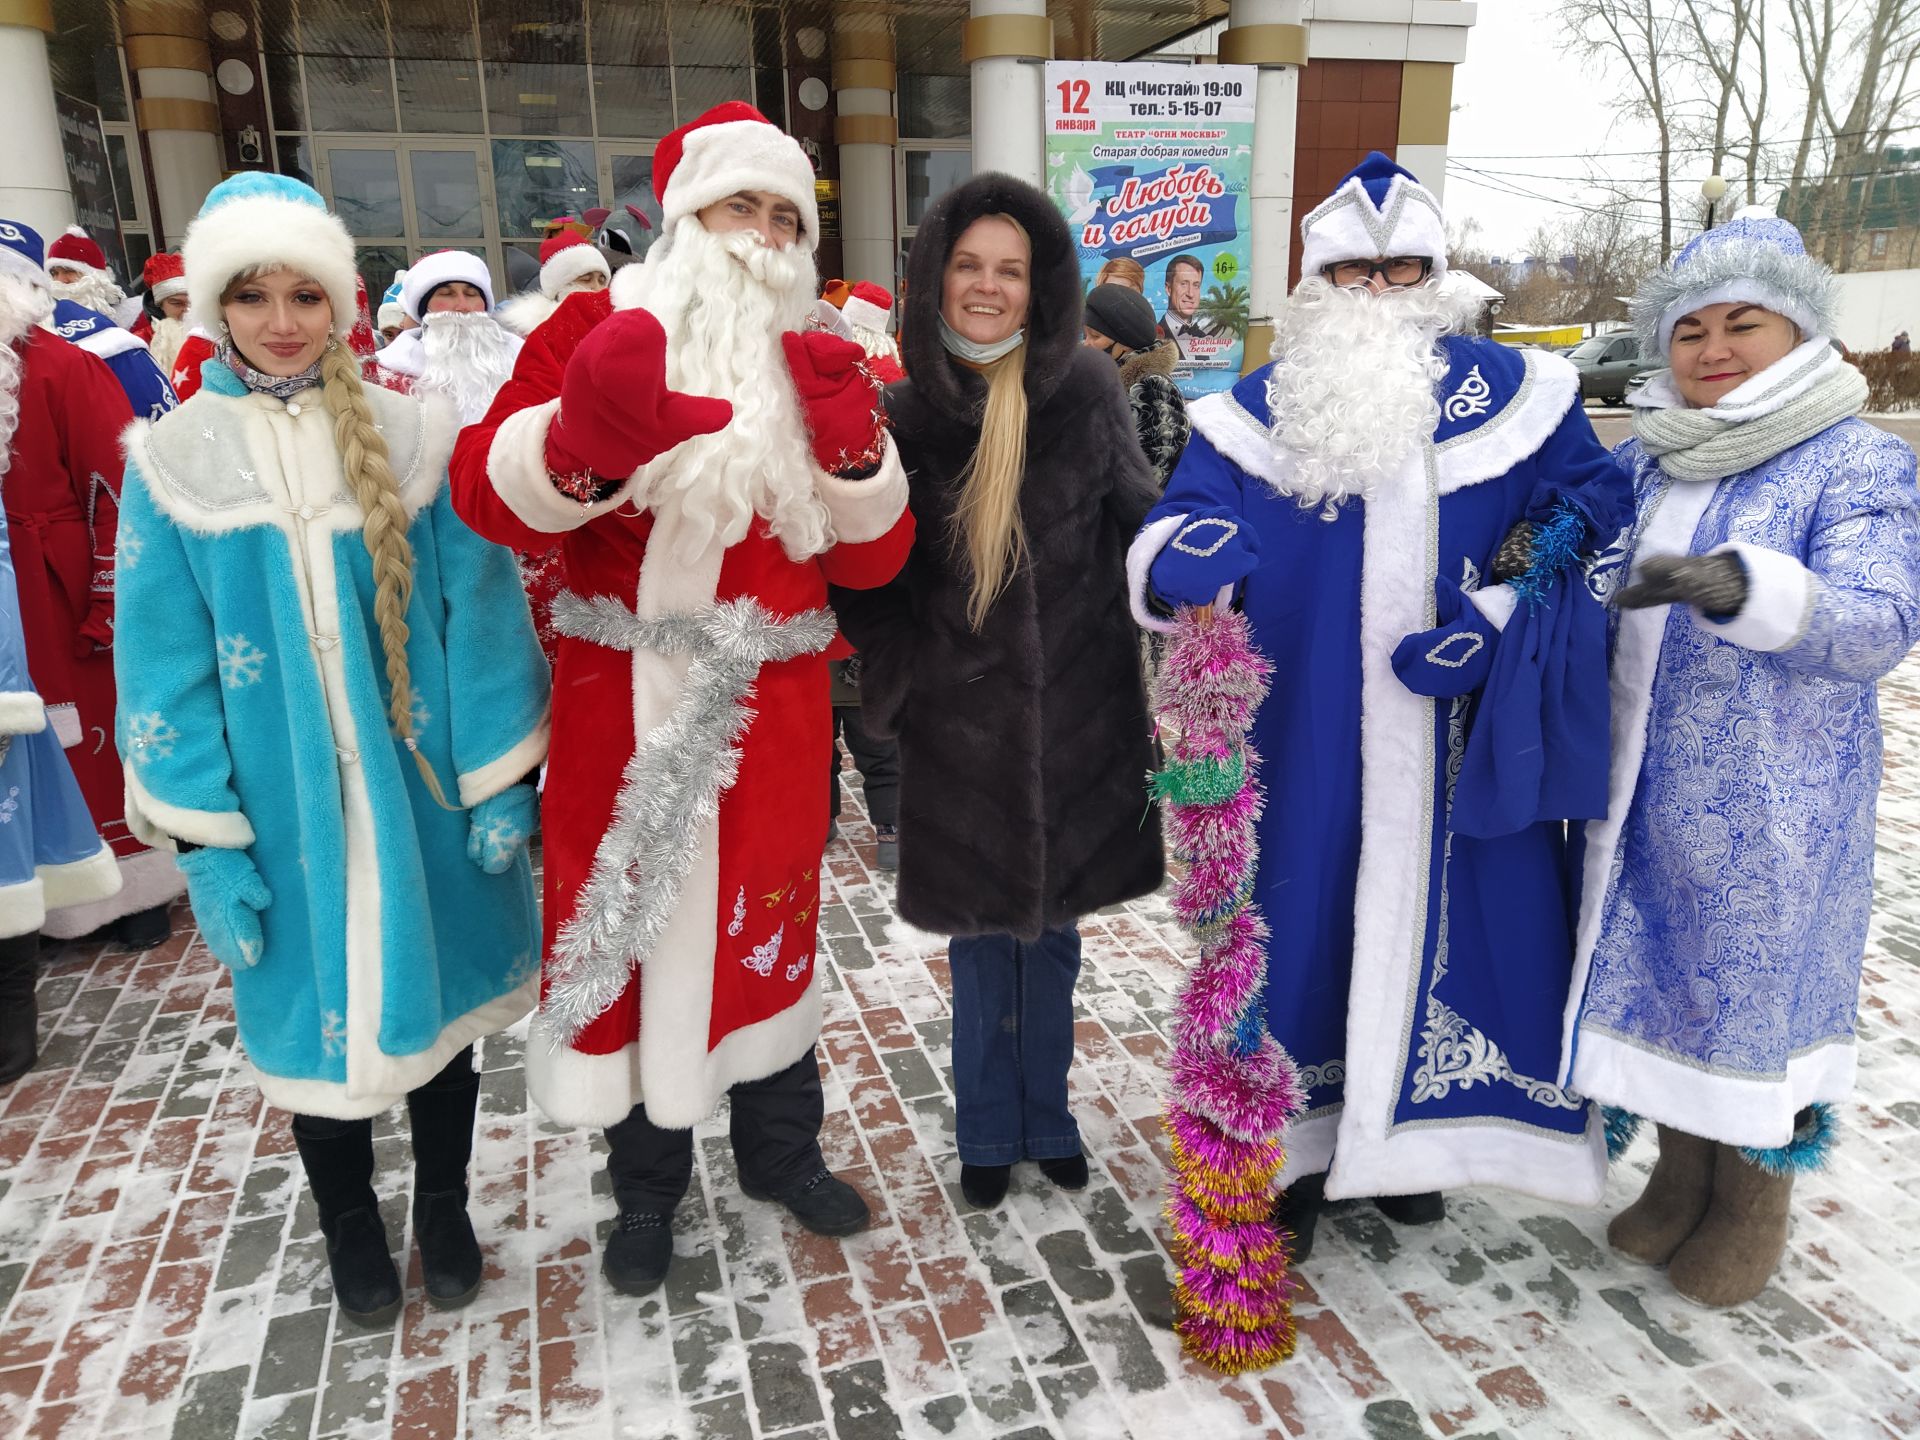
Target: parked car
x=1608, y=364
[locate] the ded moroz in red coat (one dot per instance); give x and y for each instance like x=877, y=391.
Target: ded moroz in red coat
x=730, y=991
x=62, y=500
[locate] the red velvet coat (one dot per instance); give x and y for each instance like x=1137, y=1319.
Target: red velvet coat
x=730, y=990
x=62, y=497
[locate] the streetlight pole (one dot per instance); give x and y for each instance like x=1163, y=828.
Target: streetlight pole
x=1712, y=189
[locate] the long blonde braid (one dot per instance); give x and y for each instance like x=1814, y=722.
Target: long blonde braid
x=369, y=472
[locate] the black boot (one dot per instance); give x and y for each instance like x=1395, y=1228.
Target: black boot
x=985, y=1186
x=1296, y=1210
x=338, y=1158
x=1427, y=1208
x=1068, y=1172
x=19, y=1015
x=824, y=1204
x=442, y=1114
x=143, y=929
x=638, y=1252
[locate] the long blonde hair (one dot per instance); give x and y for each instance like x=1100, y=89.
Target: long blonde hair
x=987, y=516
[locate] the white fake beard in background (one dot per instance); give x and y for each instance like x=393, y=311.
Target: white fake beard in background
x=96, y=292
x=168, y=336
x=23, y=305
x=724, y=301
x=467, y=358
x=1354, y=387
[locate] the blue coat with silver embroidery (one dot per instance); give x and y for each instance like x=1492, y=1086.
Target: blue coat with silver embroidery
x=1418, y=774
x=252, y=713
x=1727, y=901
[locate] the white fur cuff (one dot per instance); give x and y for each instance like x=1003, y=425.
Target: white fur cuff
x=1151, y=540
x=517, y=466
x=509, y=769
x=21, y=713
x=154, y=822
x=80, y=881
x=1495, y=603
x=864, y=510
x=1779, y=600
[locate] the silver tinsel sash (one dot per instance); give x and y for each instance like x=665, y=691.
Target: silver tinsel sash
x=670, y=790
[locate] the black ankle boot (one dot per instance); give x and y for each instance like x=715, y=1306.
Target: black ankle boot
x=985, y=1186
x=1296, y=1210
x=1069, y=1172
x=441, y=1112
x=638, y=1252
x=19, y=1014
x=338, y=1158
x=1427, y=1208
x=823, y=1203
x=143, y=929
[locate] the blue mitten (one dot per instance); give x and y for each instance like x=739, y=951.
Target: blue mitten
x=1453, y=657
x=227, y=895
x=1213, y=549
x=500, y=826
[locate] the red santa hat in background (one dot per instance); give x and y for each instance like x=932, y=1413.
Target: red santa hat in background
x=165, y=276
x=564, y=258
x=867, y=310
x=732, y=147
x=75, y=250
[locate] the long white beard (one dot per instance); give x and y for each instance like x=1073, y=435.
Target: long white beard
x=96, y=292
x=168, y=336
x=23, y=305
x=1354, y=387
x=724, y=301
x=465, y=357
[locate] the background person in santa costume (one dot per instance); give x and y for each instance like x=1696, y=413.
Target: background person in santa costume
x=458, y=349
x=79, y=271
x=166, y=281
x=683, y=802
x=125, y=354
x=330, y=701
x=62, y=507
x=569, y=264
x=50, y=852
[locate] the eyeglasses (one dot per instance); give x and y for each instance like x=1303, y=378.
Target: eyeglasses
x=1396, y=270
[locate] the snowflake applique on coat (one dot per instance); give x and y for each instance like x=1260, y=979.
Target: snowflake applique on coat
x=241, y=661
x=127, y=546
x=150, y=737
x=333, y=1033
x=500, y=840
x=10, y=806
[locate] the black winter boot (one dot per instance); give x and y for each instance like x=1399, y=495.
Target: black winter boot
x=442, y=1113
x=19, y=1015
x=1429, y=1207
x=1296, y=1210
x=338, y=1158
x=638, y=1252
x=143, y=929
x=823, y=1203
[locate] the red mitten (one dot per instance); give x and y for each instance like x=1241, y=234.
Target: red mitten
x=616, y=410
x=95, y=633
x=839, y=397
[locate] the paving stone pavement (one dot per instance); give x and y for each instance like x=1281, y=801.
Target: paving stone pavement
x=161, y=1274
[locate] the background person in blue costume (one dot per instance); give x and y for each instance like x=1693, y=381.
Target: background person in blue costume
x=314, y=651
x=124, y=352
x=1416, y=516
x=1726, y=895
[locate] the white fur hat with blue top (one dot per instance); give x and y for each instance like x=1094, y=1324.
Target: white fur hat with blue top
x=256, y=220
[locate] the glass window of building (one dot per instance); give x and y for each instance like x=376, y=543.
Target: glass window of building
x=525, y=99
x=632, y=78
x=929, y=175
x=349, y=92
x=712, y=57
x=439, y=97
x=536, y=180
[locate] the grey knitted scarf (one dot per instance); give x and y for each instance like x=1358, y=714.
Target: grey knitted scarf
x=1711, y=445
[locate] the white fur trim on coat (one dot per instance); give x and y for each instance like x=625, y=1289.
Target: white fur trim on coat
x=511, y=768
x=405, y=354
x=257, y=230
x=1779, y=601
x=22, y=713
x=107, y=343
x=81, y=881
x=1239, y=437
x=517, y=466
x=1548, y=390
x=863, y=510
x=526, y=312
x=723, y=159
x=147, y=878
x=154, y=822
x=1141, y=554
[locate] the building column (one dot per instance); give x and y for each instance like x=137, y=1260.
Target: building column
x=1268, y=33
x=34, y=188
x=1426, y=110
x=867, y=134
x=1002, y=45
x=172, y=68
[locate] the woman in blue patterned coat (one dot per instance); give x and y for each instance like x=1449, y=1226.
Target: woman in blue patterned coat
x=330, y=701
x=1727, y=893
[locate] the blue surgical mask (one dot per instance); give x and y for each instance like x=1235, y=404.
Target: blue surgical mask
x=974, y=353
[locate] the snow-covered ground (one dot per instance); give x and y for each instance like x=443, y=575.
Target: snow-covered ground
x=160, y=1271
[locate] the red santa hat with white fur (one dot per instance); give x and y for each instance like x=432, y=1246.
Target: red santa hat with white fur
x=76, y=250
x=731, y=148
x=867, y=309
x=165, y=276
x=564, y=258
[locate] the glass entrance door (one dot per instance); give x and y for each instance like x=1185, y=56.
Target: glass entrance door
x=401, y=199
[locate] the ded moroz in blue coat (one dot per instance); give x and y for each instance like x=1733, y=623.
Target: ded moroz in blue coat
x=124, y=353
x=253, y=705
x=1412, y=857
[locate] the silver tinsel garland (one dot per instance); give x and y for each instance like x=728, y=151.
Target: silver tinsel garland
x=670, y=790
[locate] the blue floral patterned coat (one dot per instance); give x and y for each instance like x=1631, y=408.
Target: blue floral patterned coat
x=252, y=715
x=1727, y=893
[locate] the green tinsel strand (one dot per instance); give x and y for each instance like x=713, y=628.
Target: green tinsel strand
x=1201, y=782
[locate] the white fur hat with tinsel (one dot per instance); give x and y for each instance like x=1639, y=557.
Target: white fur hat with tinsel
x=1379, y=210
x=257, y=219
x=564, y=258
x=731, y=148
x=1758, y=259
x=443, y=267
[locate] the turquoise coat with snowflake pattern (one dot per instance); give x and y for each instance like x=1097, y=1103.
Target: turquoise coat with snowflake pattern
x=253, y=700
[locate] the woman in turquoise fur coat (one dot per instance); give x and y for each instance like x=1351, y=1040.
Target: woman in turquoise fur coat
x=331, y=700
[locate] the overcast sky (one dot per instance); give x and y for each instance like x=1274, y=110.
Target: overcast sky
x=1534, y=119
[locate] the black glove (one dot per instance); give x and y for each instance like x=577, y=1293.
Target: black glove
x=1713, y=584
x=1515, y=553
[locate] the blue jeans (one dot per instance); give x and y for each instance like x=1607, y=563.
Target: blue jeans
x=1013, y=1044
